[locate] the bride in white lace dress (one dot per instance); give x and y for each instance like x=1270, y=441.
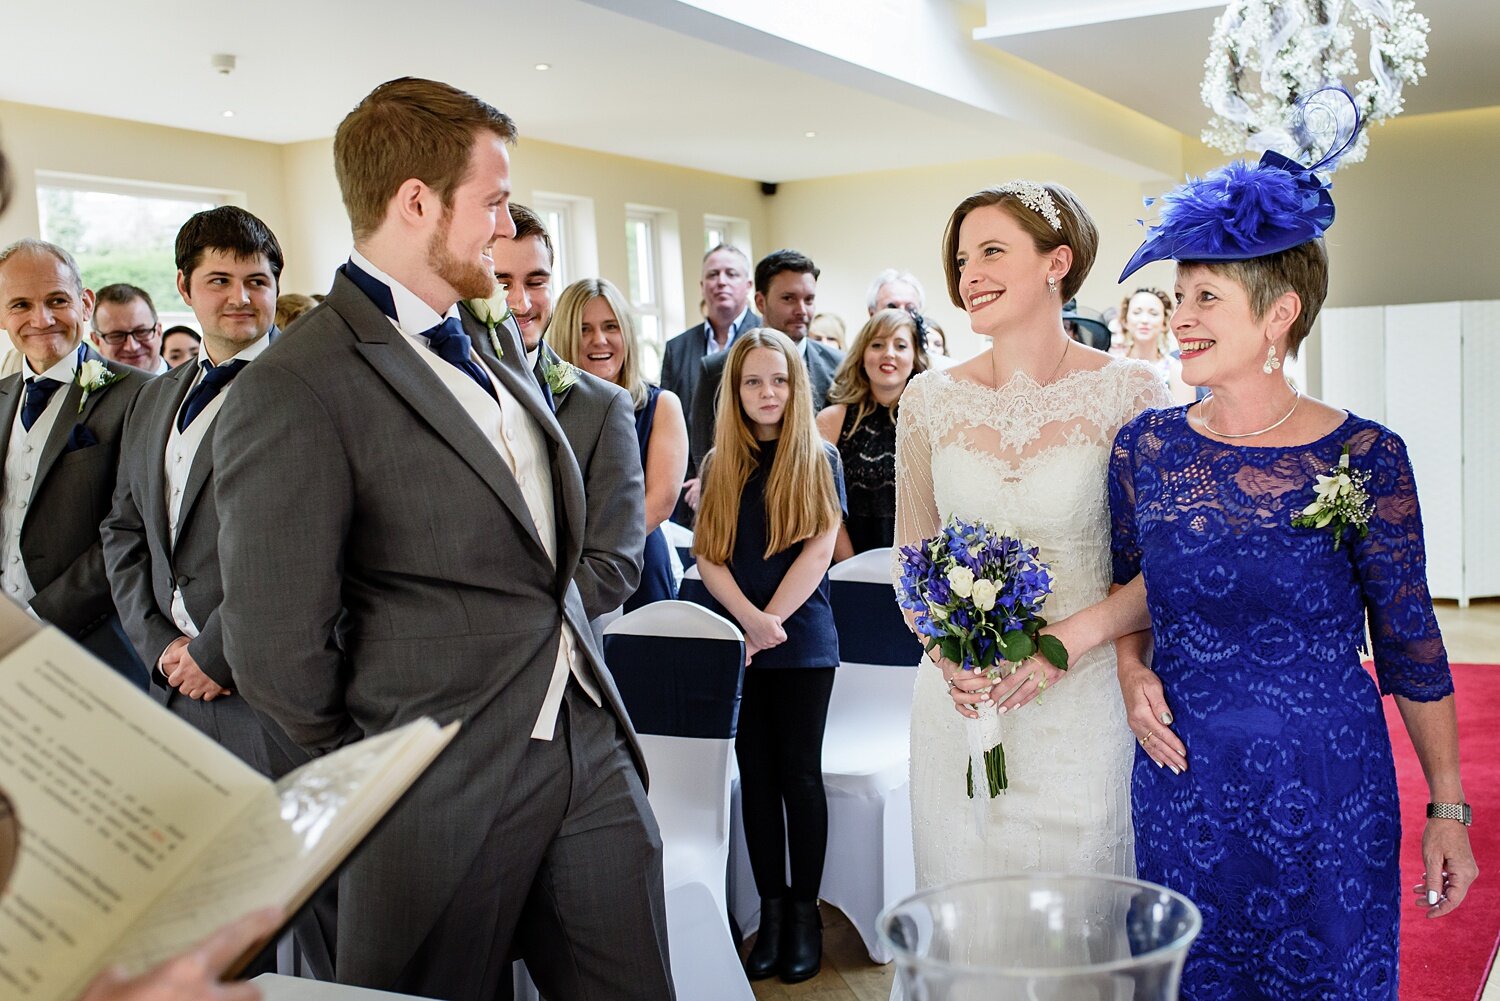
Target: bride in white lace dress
x=1020, y=437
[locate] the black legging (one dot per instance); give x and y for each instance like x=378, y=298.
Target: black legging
x=780, y=753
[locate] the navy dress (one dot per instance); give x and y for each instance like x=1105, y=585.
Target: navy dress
x=656, y=568
x=1285, y=828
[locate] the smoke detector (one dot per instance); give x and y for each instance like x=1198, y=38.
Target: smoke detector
x=223, y=63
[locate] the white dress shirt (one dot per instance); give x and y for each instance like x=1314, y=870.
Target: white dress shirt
x=712, y=346
x=520, y=442
x=23, y=455
x=182, y=450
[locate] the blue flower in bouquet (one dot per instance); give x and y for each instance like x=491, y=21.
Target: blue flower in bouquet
x=977, y=594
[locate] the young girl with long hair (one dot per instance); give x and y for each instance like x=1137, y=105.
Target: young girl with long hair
x=771, y=509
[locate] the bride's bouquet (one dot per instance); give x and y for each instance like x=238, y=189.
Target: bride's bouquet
x=978, y=595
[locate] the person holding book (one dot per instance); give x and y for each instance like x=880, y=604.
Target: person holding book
x=423, y=564
x=773, y=499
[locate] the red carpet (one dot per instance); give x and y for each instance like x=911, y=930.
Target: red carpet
x=1448, y=959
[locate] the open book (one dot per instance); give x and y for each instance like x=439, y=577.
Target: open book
x=139, y=835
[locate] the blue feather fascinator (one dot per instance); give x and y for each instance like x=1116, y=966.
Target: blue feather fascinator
x=1240, y=211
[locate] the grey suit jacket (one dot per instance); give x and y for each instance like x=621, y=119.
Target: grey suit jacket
x=403, y=577
x=70, y=497
x=598, y=419
x=822, y=363
x=683, y=360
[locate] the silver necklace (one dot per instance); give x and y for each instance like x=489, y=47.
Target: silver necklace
x=1296, y=399
x=995, y=366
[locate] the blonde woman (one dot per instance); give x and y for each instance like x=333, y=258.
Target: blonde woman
x=860, y=422
x=827, y=328
x=772, y=502
x=1145, y=318
x=592, y=329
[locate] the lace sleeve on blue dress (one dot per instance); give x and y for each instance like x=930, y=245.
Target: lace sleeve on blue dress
x=1391, y=562
x=1124, y=547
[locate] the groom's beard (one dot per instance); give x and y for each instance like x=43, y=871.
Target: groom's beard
x=467, y=278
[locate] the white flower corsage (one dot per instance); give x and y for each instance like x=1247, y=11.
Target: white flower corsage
x=94, y=375
x=1341, y=502
x=492, y=312
x=560, y=376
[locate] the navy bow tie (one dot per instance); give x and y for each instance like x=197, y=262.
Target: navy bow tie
x=38, y=392
x=215, y=378
x=452, y=345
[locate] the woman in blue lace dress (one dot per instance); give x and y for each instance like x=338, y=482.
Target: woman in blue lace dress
x=1263, y=787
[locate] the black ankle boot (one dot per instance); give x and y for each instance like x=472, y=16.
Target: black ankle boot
x=765, y=956
x=802, y=942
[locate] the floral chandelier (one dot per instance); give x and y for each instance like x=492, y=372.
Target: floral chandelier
x=1293, y=48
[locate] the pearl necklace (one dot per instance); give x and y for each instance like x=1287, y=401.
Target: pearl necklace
x=1296, y=399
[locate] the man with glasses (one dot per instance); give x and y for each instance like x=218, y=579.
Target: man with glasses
x=126, y=329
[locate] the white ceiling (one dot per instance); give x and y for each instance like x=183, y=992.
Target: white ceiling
x=1154, y=64
x=619, y=83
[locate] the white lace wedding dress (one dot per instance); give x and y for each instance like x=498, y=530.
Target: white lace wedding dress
x=1034, y=458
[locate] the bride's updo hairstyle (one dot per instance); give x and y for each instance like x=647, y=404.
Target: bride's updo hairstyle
x=1049, y=213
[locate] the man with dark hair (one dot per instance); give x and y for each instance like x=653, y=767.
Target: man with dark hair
x=597, y=416
x=60, y=421
x=126, y=328
x=726, y=298
x=422, y=563
x=786, y=286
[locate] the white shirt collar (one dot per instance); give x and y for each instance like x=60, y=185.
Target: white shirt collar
x=248, y=353
x=734, y=331
x=802, y=346
x=413, y=316
x=65, y=371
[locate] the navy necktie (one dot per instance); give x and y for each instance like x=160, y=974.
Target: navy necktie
x=452, y=345
x=38, y=392
x=215, y=378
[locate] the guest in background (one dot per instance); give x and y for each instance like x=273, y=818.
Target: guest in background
x=126, y=328
x=594, y=330
x=597, y=417
x=726, y=312
x=64, y=411
x=1144, y=320
x=180, y=344
x=937, y=341
x=894, y=289
x=772, y=500
x=861, y=422
x=1277, y=536
x=786, y=287
x=290, y=305
x=827, y=328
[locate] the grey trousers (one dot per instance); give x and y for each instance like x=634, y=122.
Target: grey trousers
x=570, y=880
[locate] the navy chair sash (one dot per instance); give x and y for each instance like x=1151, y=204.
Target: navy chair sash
x=871, y=629
x=678, y=686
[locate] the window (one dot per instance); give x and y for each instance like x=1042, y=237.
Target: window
x=123, y=231
x=722, y=229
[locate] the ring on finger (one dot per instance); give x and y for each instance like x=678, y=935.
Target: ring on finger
x=1147, y=739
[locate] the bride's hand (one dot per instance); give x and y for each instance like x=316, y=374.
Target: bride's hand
x=967, y=688
x=1036, y=674
x=1149, y=717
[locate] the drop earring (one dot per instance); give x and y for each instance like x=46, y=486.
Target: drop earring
x=1272, y=362
x=1051, y=284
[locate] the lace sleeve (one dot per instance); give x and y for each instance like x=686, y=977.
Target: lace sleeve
x=1124, y=546
x=916, y=503
x=1145, y=391
x=1391, y=562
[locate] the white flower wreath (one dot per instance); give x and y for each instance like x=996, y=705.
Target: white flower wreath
x=1298, y=47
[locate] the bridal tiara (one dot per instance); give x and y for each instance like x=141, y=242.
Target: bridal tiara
x=1035, y=197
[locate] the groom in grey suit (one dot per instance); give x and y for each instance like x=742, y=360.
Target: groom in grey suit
x=596, y=416
x=423, y=566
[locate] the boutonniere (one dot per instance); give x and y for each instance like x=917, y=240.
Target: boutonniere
x=1341, y=502
x=560, y=375
x=94, y=375
x=492, y=312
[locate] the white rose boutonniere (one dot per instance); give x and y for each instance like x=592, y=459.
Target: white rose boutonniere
x=93, y=376
x=560, y=376
x=1340, y=503
x=492, y=312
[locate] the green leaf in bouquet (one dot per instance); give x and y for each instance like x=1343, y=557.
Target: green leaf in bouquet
x=1017, y=646
x=953, y=649
x=1054, y=651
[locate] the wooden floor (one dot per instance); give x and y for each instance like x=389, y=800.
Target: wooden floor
x=1472, y=636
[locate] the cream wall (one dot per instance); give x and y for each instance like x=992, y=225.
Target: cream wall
x=856, y=225
x=43, y=139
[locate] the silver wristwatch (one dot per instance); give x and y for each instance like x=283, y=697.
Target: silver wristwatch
x=1451, y=811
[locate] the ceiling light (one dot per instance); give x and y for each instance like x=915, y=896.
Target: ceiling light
x=544, y=66
x=809, y=135
x=228, y=114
